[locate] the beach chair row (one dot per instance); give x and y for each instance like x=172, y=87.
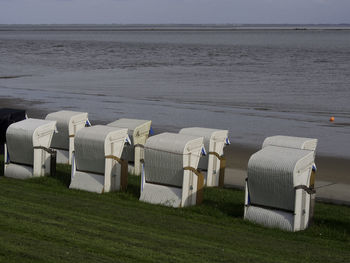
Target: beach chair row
x=173, y=167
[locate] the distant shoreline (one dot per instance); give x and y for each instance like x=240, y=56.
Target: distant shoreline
x=169, y=27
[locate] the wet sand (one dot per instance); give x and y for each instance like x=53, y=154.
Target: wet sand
x=23, y=105
x=331, y=169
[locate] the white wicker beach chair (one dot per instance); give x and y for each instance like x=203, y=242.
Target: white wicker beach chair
x=68, y=123
x=170, y=176
x=138, y=131
x=279, y=187
x=27, y=152
x=96, y=164
x=213, y=163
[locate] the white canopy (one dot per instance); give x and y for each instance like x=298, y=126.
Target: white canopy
x=22, y=136
x=136, y=127
x=291, y=142
x=68, y=123
x=174, y=143
x=138, y=131
x=214, y=141
x=27, y=145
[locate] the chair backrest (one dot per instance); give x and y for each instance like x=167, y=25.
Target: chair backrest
x=22, y=136
x=272, y=175
x=167, y=154
x=138, y=131
x=214, y=141
x=68, y=123
x=92, y=144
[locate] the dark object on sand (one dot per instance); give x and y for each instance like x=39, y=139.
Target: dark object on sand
x=7, y=117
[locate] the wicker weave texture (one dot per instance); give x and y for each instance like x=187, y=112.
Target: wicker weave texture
x=89, y=147
x=271, y=173
x=163, y=167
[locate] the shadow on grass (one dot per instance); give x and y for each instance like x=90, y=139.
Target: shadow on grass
x=63, y=174
x=1, y=168
x=229, y=208
x=134, y=184
x=219, y=202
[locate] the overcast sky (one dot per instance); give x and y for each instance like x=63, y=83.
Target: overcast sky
x=174, y=11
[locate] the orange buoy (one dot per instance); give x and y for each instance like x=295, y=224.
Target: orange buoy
x=331, y=119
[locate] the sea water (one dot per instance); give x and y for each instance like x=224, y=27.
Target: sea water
x=256, y=82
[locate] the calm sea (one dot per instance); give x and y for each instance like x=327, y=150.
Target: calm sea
x=254, y=82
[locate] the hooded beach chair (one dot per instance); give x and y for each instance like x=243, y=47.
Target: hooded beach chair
x=280, y=184
x=96, y=164
x=170, y=176
x=68, y=123
x=138, y=131
x=27, y=152
x=213, y=163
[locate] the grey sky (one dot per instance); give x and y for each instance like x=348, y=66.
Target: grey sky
x=174, y=11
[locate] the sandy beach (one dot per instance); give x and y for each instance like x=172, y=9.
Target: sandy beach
x=331, y=169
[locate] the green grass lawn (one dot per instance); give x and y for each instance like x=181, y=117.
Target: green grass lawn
x=41, y=220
